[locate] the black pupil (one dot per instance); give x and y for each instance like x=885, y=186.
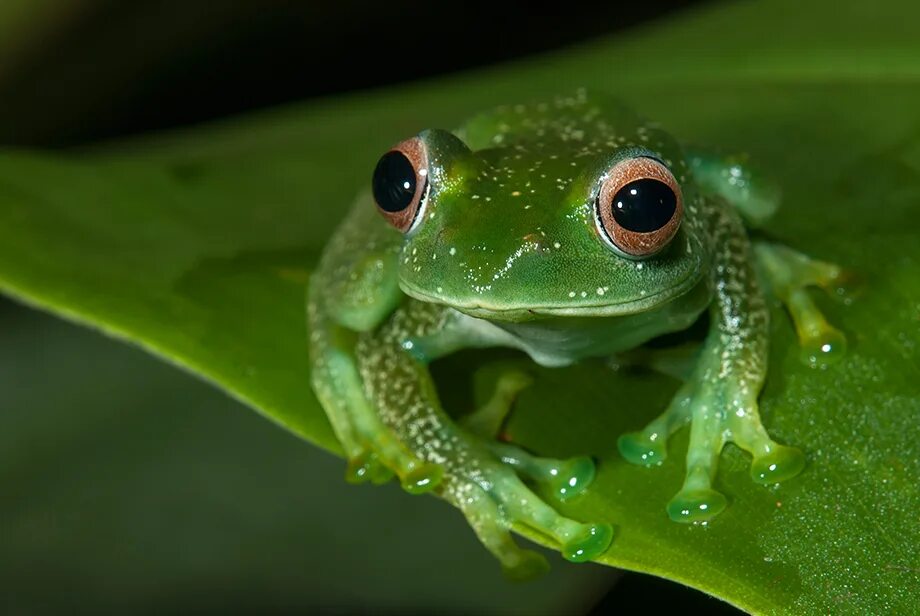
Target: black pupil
x=644, y=206
x=394, y=182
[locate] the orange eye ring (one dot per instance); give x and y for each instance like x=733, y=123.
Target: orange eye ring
x=639, y=207
x=400, y=183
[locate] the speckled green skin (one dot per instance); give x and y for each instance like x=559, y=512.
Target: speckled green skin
x=507, y=253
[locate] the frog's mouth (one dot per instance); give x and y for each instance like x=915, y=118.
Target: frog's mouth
x=578, y=307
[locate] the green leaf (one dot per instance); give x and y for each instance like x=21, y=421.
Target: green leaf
x=197, y=246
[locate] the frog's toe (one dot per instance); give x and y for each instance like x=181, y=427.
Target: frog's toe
x=649, y=446
x=587, y=542
x=639, y=448
x=823, y=345
x=360, y=467
x=367, y=466
x=696, y=505
x=571, y=477
x=780, y=464
x=564, y=478
x=524, y=565
x=383, y=458
x=422, y=478
x=487, y=420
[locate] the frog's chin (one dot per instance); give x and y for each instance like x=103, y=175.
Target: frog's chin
x=578, y=307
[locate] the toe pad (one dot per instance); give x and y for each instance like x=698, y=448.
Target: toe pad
x=696, y=505
x=779, y=465
x=588, y=544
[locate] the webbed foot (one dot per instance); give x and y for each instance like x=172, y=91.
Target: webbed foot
x=494, y=498
x=503, y=502
x=719, y=413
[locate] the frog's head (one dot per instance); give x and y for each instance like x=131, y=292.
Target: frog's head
x=543, y=220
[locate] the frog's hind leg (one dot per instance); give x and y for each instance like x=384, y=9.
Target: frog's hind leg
x=789, y=273
x=373, y=453
x=487, y=521
x=480, y=476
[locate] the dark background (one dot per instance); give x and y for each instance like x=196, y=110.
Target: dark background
x=164, y=520
x=115, y=67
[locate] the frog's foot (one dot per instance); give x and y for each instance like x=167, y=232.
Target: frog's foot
x=718, y=415
x=563, y=478
x=382, y=455
x=502, y=500
x=790, y=273
x=375, y=455
x=373, y=452
x=648, y=447
x=494, y=500
x=716, y=420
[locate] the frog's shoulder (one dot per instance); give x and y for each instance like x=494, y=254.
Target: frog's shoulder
x=571, y=117
x=357, y=275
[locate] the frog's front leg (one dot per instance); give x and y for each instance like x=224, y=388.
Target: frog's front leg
x=720, y=397
x=479, y=475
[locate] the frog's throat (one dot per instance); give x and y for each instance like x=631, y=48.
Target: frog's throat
x=577, y=307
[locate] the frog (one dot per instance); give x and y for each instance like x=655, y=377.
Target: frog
x=570, y=229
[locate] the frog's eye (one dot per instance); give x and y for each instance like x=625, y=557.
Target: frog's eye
x=639, y=207
x=400, y=183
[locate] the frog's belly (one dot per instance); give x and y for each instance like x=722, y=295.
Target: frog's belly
x=559, y=341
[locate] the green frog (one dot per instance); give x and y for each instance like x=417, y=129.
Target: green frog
x=568, y=229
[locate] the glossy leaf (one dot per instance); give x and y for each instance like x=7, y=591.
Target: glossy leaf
x=198, y=246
